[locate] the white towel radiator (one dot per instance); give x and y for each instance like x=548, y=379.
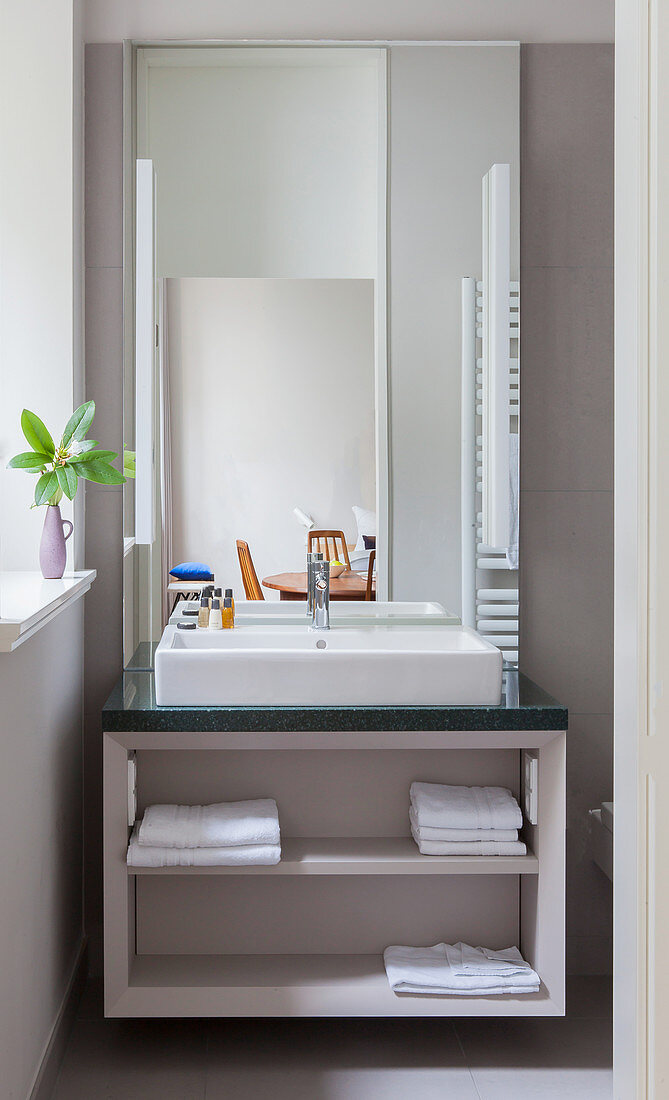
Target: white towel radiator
x=489, y=582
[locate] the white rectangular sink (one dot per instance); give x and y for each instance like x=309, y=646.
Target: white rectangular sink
x=374, y=665
x=349, y=612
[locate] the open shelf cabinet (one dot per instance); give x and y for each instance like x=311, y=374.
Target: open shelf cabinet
x=305, y=937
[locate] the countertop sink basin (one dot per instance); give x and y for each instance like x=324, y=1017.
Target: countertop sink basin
x=291, y=665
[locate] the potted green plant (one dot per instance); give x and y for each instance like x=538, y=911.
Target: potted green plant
x=59, y=469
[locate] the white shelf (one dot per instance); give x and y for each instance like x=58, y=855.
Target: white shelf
x=28, y=602
x=396, y=855
x=294, y=985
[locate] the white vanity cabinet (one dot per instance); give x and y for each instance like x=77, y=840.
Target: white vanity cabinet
x=305, y=937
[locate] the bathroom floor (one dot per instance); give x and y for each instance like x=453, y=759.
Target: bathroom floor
x=343, y=1059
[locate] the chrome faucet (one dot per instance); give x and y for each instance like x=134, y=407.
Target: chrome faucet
x=312, y=560
x=321, y=612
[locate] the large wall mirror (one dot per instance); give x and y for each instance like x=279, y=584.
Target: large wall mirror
x=301, y=351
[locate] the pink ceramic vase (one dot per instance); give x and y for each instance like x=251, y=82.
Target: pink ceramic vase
x=52, y=550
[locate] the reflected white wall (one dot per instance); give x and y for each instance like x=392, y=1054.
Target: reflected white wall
x=272, y=406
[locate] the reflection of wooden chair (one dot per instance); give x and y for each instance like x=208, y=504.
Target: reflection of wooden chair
x=252, y=587
x=332, y=544
x=370, y=594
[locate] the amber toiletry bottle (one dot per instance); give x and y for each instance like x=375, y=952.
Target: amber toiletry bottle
x=228, y=613
x=228, y=594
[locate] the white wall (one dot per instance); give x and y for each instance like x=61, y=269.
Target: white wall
x=262, y=172
x=37, y=227
x=272, y=407
x=40, y=683
x=454, y=111
x=526, y=20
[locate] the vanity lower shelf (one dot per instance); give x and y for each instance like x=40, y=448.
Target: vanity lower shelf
x=305, y=937
x=363, y=856
x=295, y=985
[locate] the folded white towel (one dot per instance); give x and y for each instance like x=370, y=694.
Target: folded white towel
x=427, y=832
x=431, y=970
x=441, y=806
x=471, y=848
x=144, y=855
x=481, y=960
x=221, y=825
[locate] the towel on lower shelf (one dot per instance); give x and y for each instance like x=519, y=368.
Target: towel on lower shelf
x=427, y=832
x=441, y=806
x=481, y=960
x=144, y=855
x=439, y=971
x=221, y=825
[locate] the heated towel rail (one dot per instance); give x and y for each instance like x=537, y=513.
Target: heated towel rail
x=489, y=573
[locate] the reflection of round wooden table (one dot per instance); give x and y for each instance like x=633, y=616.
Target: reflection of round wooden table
x=293, y=586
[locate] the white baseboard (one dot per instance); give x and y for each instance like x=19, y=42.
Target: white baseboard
x=47, y=1072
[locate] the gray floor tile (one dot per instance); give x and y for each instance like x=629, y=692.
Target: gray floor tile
x=358, y=1084
x=337, y=1060
x=343, y=1059
x=134, y=1060
x=531, y=1059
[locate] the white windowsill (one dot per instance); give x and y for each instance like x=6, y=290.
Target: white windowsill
x=28, y=602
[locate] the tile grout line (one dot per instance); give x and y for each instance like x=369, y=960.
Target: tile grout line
x=464, y=1058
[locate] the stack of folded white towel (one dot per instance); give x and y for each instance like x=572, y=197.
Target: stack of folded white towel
x=223, y=834
x=458, y=969
x=465, y=821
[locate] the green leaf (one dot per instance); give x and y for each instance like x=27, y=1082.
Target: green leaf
x=93, y=456
x=46, y=487
x=100, y=472
x=28, y=460
x=87, y=445
x=79, y=423
x=129, y=461
x=36, y=433
x=68, y=480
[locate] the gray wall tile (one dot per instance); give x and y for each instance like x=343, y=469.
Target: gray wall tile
x=104, y=383
x=567, y=155
x=104, y=353
x=103, y=662
x=589, y=783
x=567, y=382
x=566, y=579
x=566, y=532
x=103, y=137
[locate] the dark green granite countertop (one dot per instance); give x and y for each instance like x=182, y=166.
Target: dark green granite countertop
x=132, y=707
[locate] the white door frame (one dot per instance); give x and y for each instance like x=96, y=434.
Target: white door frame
x=642, y=512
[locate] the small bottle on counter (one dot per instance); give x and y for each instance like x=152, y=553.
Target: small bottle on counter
x=218, y=595
x=215, y=618
x=229, y=595
x=228, y=614
x=203, y=613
